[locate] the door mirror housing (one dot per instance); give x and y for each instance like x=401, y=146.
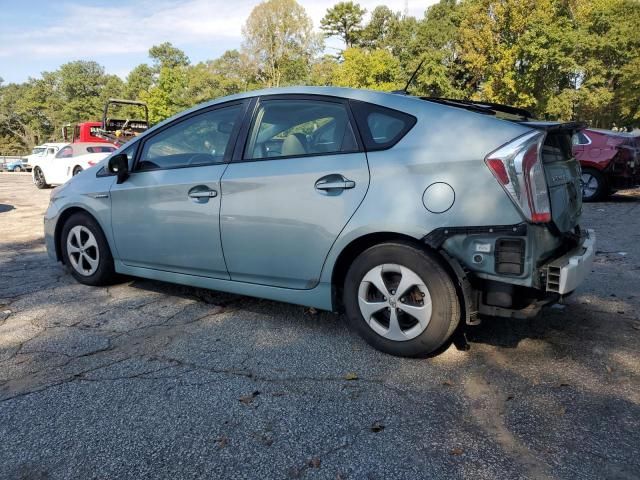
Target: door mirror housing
x=119, y=165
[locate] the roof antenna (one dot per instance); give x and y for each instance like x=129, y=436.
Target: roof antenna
x=413, y=76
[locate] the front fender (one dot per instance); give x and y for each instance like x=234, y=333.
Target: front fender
x=82, y=193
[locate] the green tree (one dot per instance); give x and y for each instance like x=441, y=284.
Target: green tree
x=375, y=69
x=379, y=31
x=166, y=55
x=323, y=71
x=168, y=93
x=139, y=80
x=168, y=96
x=279, y=41
x=344, y=20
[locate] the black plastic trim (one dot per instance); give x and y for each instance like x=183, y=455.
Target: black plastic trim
x=437, y=237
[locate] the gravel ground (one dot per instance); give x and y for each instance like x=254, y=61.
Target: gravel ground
x=151, y=380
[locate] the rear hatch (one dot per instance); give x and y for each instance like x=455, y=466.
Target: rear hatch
x=562, y=172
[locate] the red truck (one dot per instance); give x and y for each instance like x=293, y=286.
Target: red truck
x=610, y=161
x=85, y=132
x=111, y=130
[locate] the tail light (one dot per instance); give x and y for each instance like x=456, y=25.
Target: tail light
x=92, y=162
x=518, y=168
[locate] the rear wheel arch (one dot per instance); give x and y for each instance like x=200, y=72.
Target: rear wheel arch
x=360, y=244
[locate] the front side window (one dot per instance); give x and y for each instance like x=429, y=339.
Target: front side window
x=286, y=128
x=199, y=140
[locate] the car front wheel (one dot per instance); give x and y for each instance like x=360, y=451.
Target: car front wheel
x=401, y=300
x=86, y=252
x=38, y=178
x=17, y=169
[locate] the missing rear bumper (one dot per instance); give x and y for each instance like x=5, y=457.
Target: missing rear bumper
x=564, y=274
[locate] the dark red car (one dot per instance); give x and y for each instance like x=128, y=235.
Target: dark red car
x=610, y=161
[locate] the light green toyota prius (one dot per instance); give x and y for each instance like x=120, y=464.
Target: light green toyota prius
x=414, y=215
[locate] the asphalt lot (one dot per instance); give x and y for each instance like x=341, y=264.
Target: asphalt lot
x=151, y=380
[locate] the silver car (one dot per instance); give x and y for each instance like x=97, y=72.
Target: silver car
x=414, y=216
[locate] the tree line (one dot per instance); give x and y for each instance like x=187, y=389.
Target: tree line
x=561, y=59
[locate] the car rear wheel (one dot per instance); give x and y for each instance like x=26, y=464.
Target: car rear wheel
x=594, y=185
x=38, y=178
x=17, y=169
x=401, y=300
x=86, y=252
x=77, y=170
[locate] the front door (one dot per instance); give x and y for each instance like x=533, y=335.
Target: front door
x=300, y=178
x=165, y=216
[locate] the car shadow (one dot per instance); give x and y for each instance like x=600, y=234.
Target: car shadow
x=4, y=207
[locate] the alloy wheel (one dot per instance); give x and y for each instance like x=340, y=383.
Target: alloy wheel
x=82, y=249
x=39, y=177
x=395, y=302
x=590, y=185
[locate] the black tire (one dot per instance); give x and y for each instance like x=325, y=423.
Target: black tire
x=105, y=272
x=445, y=315
x=17, y=169
x=38, y=178
x=596, y=187
x=77, y=169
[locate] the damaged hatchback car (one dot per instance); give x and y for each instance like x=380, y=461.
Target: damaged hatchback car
x=413, y=215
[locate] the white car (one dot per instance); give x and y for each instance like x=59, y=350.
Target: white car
x=63, y=160
x=40, y=151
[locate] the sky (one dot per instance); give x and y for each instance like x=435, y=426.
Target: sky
x=41, y=35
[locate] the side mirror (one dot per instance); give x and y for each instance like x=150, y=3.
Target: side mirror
x=119, y=165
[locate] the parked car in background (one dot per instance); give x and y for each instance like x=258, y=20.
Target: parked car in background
x=340, y=199
x=610, y=161
x=62, y=161
x=16, y=165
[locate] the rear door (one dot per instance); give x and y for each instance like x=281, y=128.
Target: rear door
x=165, y=216
x=292, y=187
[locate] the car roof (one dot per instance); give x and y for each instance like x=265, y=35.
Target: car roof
x=611, y=133
x=54, y=144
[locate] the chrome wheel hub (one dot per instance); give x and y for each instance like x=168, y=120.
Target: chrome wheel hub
x=83, y=251
x=395, y=302
x=589, y=185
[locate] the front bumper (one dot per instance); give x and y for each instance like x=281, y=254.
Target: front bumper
x=564, y=274
x=50, y=222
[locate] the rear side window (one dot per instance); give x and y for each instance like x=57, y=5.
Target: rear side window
x=295, y=128
x=580, y=139
x=101, y=149
x=381, y=127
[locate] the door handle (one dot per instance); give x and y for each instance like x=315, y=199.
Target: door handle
x=202, y=192
x=334, y=182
